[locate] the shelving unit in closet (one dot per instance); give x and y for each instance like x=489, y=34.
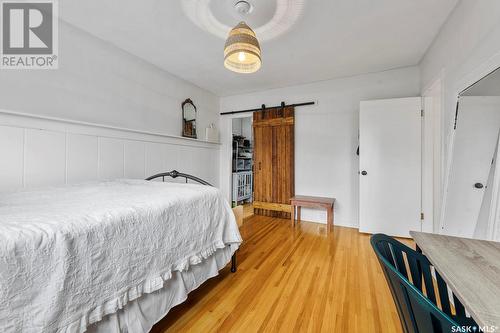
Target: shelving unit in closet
x=242, y=170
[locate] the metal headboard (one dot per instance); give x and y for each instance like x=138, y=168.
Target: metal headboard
x=174, y=174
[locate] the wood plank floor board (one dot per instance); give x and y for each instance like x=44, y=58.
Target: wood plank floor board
x=300, y=279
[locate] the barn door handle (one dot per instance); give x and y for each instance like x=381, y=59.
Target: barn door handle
x=478, y=185
x=364, y=173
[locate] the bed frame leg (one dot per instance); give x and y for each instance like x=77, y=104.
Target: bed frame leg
x=233, y=263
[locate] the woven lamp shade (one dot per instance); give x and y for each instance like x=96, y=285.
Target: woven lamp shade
x=242, y=50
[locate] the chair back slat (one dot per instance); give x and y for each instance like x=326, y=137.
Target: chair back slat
x=416, y=272
x=387, y=252
x=459, y=308
x=399, y=293
x=418, y=313
x=400, y=263
x=428, y=281
x=444, y=297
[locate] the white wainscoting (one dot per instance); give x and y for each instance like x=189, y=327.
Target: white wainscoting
x=38, y=151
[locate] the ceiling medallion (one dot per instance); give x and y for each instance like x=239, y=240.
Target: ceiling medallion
x=269, y=20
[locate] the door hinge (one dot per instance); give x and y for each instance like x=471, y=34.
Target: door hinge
x=422, y=216
x=421, y=112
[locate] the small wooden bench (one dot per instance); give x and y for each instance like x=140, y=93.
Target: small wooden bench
x=299, y=201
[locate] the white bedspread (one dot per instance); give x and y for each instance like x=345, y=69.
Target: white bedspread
x=71, y=255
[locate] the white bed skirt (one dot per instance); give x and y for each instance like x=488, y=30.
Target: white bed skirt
x=140, y=315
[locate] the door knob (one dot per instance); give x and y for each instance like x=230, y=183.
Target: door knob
x=478, y=185
x=364, y=173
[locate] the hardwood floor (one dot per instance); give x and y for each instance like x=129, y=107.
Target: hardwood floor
x=300, y=280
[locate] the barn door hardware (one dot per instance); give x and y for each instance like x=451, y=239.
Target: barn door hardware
x=264, y=107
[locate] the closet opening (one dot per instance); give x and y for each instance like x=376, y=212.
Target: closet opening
x=242, y=164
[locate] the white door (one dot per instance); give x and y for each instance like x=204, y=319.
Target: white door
x=474, y=145
x=390, y=166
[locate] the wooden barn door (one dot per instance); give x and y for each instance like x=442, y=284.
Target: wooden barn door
x=273, y=161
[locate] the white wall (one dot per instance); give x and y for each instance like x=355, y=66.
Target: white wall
x=243, y=126
x=326, y=134
x=237, y=126
x=247, y=128
x=100, y=84
x=466, y=48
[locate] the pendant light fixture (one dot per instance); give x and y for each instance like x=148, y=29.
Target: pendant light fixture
x=242, y=49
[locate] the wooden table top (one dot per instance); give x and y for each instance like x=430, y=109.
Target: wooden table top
x=471, y=268
x=320, y=200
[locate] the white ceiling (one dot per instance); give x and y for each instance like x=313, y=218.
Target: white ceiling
x=332, y=38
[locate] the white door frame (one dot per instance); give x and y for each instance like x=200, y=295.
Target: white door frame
x=466, y=81
x=432, y=153
x=226, y=152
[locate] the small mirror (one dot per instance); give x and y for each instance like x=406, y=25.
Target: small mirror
x=188, y=119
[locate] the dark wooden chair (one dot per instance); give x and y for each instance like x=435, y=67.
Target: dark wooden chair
x=416, y=300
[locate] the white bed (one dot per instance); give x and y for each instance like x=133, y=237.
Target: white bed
x=109, y=256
